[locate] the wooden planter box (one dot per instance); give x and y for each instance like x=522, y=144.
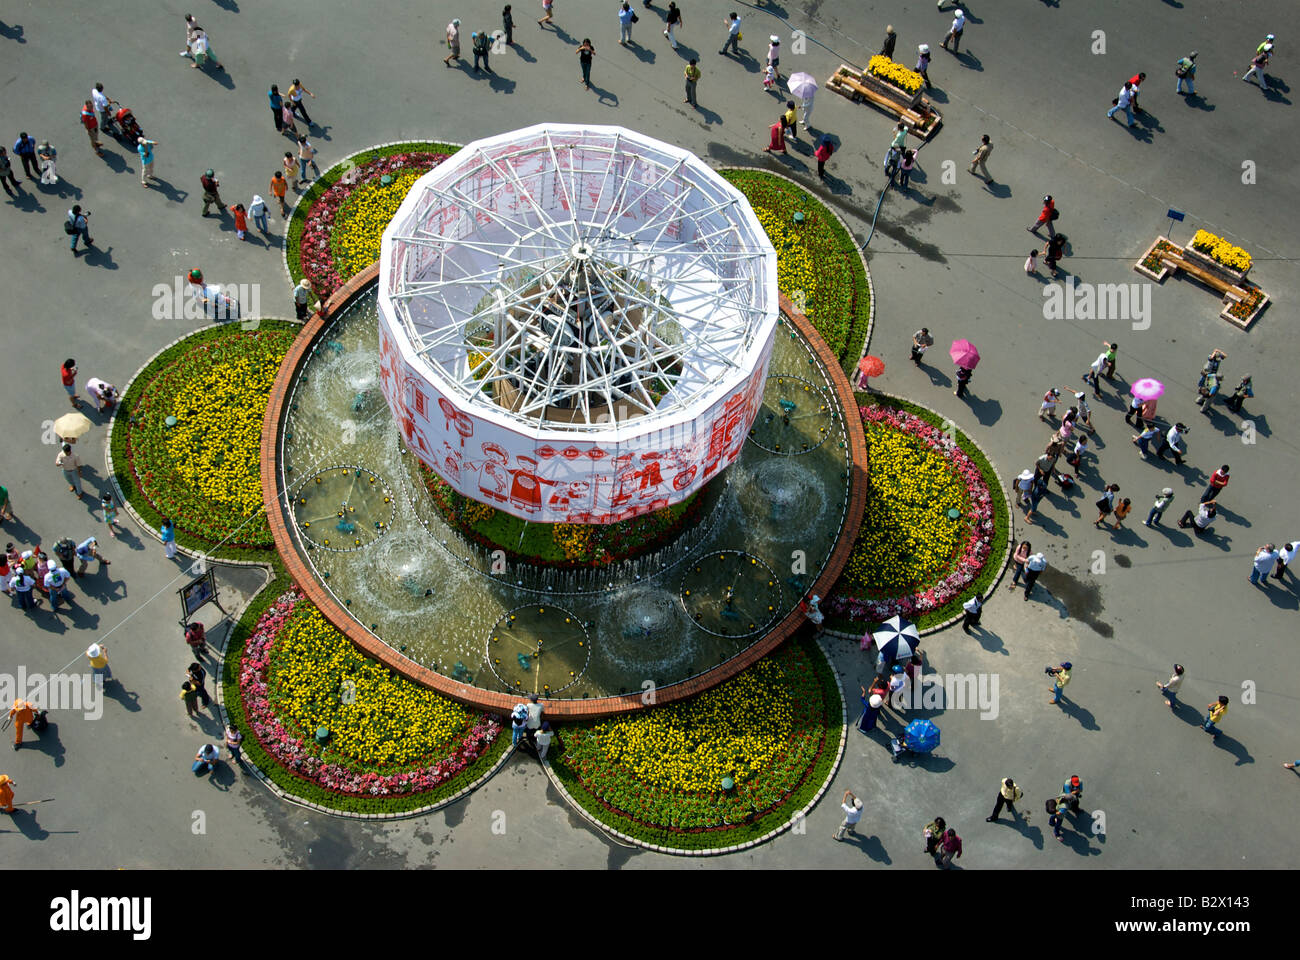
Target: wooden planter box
x=1243, y=323
x=1157, y=275
x=921, y=121
x=909, y=101
x=1212, y=265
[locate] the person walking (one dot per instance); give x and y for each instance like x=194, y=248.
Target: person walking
x=1185, y=71
x=241, y=221
x=1169, y=689
x=192, y=30
x=206, y=760
x=6, y=507
x=1216, y=712
x=190, y=697
x=585, y=52
x=78, y=226
x=1106, y=504
x=92, y=127
x=1285, y=555
x=548, y=8
x=1257, y=65
x=949, y=850
x=964, y=375
x=287, y=121
x=7, y=785
x=625, y=20
x=1034, y=566
x=1170, y=442
x=1071, y=794
x=1135, y=87
x=453, y=42
x=1053, y=250
x=1240, y=394
x=1047, y=410
x=955, y=31
x=1123, y=101
x=7, y=174
x=22, y=713
x=921, y=342
x=891, y=38
x=1060, y=679
x=1134, y=410
x=508, y=25
x=979, y=158
x=257, y=210
x=905, y=167
x=1018, y=560
x=25, y=151
x=296, y=90
x=196, y=639
x=1159, y=507
x=482, y=46
x=673, y=22
x=97, y=654
x=543, y=739
x=693, y=75
x=1121, y=511
x=1262, y=565
x=1075, y=457
x=211, y=191
x=234, y=742
x=48, y=158
x=197, y=677
x=1054, y=818
x=971, y=611
x=302, y=298
x=167, y=533
x=1218, y=480
x=852, y=807
x=144, y=147
x=732, y=42
x=277, y=107
x=923, y=64
x=68, y=374
x=933, y=833
x=1143, y=440
x=825, y=148
x=774, y=57
x=307, y=158
x=279, y=187
x=1008, y=794
x=790, y=121
x=70, y=464
x=1046, y=217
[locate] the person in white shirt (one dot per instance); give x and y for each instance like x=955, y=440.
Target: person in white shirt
x=852, y=807
x=102, y=392
x=544, y=737
x=971, y=618
x=101, y=104
x=1035, y=565
x=534, y=723
x=1284, y=557
x=1123, y=102
x=954, y=32
x=1170, y=687
x=205, y=761
x=733, y=39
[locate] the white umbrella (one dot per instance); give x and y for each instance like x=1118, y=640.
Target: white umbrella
x=896, y=639
x=802, y=85
x=72, y=425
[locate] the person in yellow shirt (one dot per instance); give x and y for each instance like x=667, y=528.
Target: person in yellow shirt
x=1215, y=716
x=97, y=654
x=1060, y=677
x=693, y=74
x=789, y=120
x=1008, y=794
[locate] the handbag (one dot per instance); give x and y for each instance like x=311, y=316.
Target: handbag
x=635, y=18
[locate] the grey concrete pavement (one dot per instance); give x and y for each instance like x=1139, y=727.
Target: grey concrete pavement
x=947, y=255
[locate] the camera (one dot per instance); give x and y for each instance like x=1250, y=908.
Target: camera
x=1049, y=670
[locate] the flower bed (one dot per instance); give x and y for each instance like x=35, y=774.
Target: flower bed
x=559, y=544
x=335, y=230
x=392, y=744
x=658, y=775
x=1153, y=262
x=910, y=558
x=818, y=264
x=1221, y=251
x=895, y=74
x=202, y=471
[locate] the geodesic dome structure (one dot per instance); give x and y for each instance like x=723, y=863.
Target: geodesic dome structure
x=575, y=322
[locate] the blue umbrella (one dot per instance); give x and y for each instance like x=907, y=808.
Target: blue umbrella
x=921, y=736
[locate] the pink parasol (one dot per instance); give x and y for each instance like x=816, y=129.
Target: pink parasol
x=964, y=354
x=1147, y=388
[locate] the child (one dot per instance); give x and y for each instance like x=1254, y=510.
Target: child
x=769, y=78
x=241, y=221
x=1075, y=459
x=1031, y=264
x=1121, y=511
x=905, y=167
x=167, y=532
x=1048, y=409
x=109, y=508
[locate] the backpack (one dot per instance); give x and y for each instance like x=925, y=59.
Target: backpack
x=70, y=225
x=1179, y=69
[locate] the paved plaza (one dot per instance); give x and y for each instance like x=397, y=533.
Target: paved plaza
x=947, y=254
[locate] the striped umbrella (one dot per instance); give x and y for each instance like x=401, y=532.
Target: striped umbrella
x=896, y=639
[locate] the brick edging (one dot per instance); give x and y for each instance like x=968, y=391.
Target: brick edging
x=796, y=817
x=1007, y=549
x=108, y=448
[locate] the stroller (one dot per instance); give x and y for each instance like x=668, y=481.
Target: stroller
x=1063, y=479
x=128, y=130
x=919, y=737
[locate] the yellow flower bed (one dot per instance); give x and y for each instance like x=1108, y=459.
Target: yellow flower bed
x=1221, y=251
x=318, y=679
x=574, y=539
x=734, y=730
x=360, y=223
x=895, y=73
x=796, y=275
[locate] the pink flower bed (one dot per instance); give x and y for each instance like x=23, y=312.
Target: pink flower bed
x=316, y=256
x=293, y=752
x=975, y=552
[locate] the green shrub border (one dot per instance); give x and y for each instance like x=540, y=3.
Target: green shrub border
x=720, y=839
x=305, y=201
x=860, y=323
x=304, y=790
x=129, y=490
x=1001, y=530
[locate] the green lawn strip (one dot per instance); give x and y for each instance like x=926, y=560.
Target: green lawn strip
x=715, y=838
x=776, y=194
x=993, y=566
x=121, y=463
x=293, y=235
x=303, y=789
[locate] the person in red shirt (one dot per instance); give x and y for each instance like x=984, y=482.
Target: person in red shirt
x=1046, y=216
x=92, y=127
x=1218, y=480
x=68, y=374
x=1135, y=82
x=241, y=220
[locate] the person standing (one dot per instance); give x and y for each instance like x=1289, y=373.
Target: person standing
x=508, y=25
x=48, y=158
x=1214, y=716
x=823, y=153
x=1046, y=217
x=453, y=42
x=92, y=127
x=923, y=64
x=1124, y=101
x=25, y=151
x=1185, y=71
x=905, y=167
x=790, y=121
x=1054, y=819
x=23, y=585
x=257, y=210
x=949, y=850
x=733, y=42
x=1106, y=504
x=287, y=121
x=1008, y=794
x=774, y=56
x=625, y=15
x=921, y=341
x=190, y=697
x=55, y=582
x=279, y=187
x=673, y=21
x=1159, y=507
x=1262, y=565
x=167, y=533
x=1060, y=679
x=1071, y=794
x=241, y=221
x=1257, y=65
x=7, y=506
x=482, y=48
x=277, y=107
x=196, y=638
x=585, y=52
x=1169, y=689
x=1018, y=560
x=1240, y=394
x=97, y=654
x=971, y=611
x=543, y=739
x=7, y=174
x=103, y=113
x=955, y=31
x=302, y=298
x=1034, y=566
x=211, y=191
x=852, y=807
x=1047, y=409
x=1285, y=554
x=872, y=701
x=964, y=375
x=979, y=157
x=548, y=8
x=144, y=147
x=296, y=90
x=234, y=743
x=518, y=723
x=693, y=74
x=197, y=678
x=68, y=374
x=7, y=785
x=535, y=710
x=22, y=713
x=307, y=158
x=1218, y=480
x=933, y=833
x=70, y=464
x=891, y=38
x=1173, y=436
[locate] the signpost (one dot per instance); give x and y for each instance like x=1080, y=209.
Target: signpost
x=202, y=589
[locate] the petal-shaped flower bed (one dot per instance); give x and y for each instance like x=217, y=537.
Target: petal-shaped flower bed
x=935, y=527
x=391, y=744
x=818, y=263
x=337, y=225
x=726, y=767
x=187, y=438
